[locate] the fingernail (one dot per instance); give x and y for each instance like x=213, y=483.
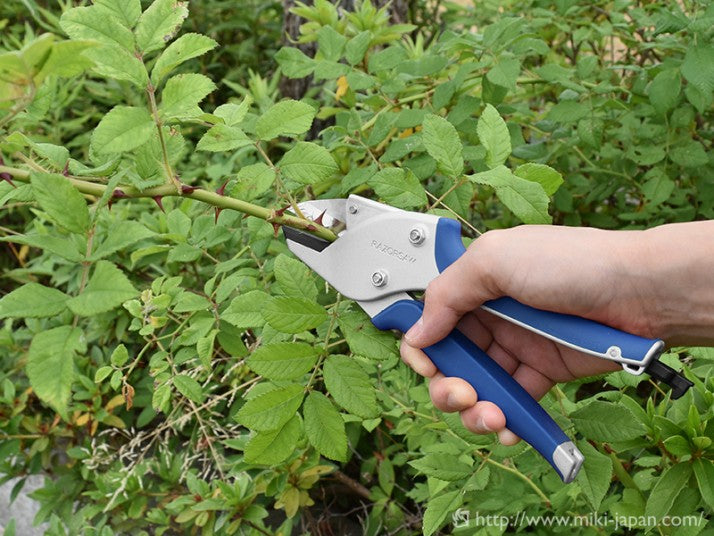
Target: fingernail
x=414, y=332
x=481, y=423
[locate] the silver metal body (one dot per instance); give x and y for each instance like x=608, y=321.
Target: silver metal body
x=568, y=459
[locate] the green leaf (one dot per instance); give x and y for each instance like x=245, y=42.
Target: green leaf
x=505, y=73
x=181, y=95
x=159, y=24
x=252, y=181
x=107, y=289
x=294, y=63
x=664, y=90
x=189, y=388
x=124, y=128
x=282, y=360
x=33, y=300
x=273, y=447
x=357, y=47
x=658, y=187
x=295, y=279
x=691, y=155
x=285, y=118
x=223, y=138
x=232, y=114
x=271, y=410
x=438, y=508
x=119, y=356
x=118, y=63
x=293, y=315
x=364, y=339
x=698, y=66
x=494, y=136
x=308, y=163
x=91, y=23
x=127, y=12
x=666, y=489
x=544, y=175
x=186, y=47
x=442, y=467
x=330, y=43
x=398, y=187
x=595, y=476
x=61, y=201
x=605, y=421
x=102, y=374
x=443, y=144
x=122, y=234
x=50, y=365
x=350, y=386
x=526, y=199
x=62, y=247
x=704, y=471
x=67, y=59
x=246, y=310
x=324, y=427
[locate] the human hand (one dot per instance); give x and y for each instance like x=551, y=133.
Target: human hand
x=578, y=271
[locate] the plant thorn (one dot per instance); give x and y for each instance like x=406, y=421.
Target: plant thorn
x=157, y=199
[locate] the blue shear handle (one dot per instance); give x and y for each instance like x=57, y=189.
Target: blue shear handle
x=457, y=356
x=584, y=335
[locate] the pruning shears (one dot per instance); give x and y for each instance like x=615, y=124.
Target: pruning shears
x=382, y=254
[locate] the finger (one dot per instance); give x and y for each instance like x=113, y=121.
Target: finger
x=481, y=336
x=462, y=287
x=451, y=394
x=507, y=438
x=417, y=360
x=484, y=418
x=534, y=382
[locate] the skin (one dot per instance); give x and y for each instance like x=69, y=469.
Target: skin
x=657, y=283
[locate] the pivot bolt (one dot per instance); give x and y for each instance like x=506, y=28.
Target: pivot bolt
x=417, y=236
x=379, y=278
x=352, y=209
x=614, y=352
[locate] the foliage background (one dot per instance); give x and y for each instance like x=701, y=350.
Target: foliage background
x=148, y=367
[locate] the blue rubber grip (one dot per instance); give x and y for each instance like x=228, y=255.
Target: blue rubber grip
x=457, y=356
x=573, y=331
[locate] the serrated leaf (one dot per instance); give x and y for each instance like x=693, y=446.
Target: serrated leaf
x=119, y=236
x=704, y=472
x=67, y=59
x=107, y=289
x=186, y=47
x=159, y=24
x=282, y=360
x=295, y=279
x=698, y=67
x=658, y=186
x=308, y=163
x=62, y=247
x=271, y=410
x=223, y=138
x=181, y=95
x=188, y=387
x=273, y=447
x=664, y=90
x=442, y=142
x=293, y=315
x=33, y=300
x=350, y=386
x=605, y=421
x=61, y=201
x=505, y=73
x=252, y=181
x=124, y=128
x=526, y=199
x=118, y=63
x=544, y=175
x=91, y=23
x=119, y=356
x=364, y=339
x=324, y=427
x=398, y=187
x=438, y=508
x=294, y=63
x=666, y=489
x=50, y=365
x=285, y=118
x=595, y=475
x=246, y=310
x=494, y=136
x=125, y=11
x=330, y=43
x=102, y=374
x=357, y=47
x=442, y=467
x=232, y=114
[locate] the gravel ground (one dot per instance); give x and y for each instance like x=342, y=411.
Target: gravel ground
x=23, y=510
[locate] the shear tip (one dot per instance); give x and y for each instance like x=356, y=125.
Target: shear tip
x=567, y=459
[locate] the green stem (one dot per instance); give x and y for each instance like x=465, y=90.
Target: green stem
x=151, y=92
x=212, y=198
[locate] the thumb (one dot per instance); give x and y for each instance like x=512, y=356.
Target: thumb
x=461, y=288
